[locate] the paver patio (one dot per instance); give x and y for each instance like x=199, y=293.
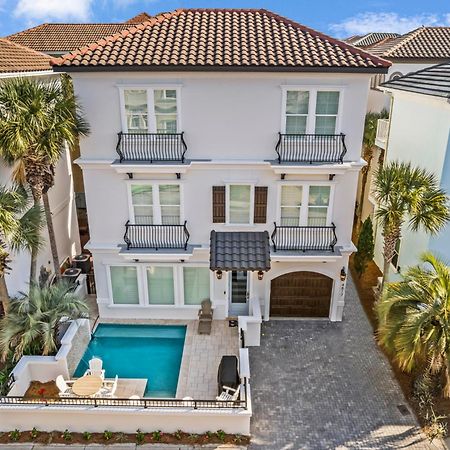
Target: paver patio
x=323, y=385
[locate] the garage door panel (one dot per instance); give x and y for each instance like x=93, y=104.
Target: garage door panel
x=301, y=294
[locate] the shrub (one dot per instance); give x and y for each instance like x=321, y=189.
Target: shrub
x=156, y=436
x=365, y=247
x=107, y=435
x=87, y=436
x=34, y=433
x=14, y=435
x=221, y=435
x=178, y=434
x=67, y=435
x=140, y=437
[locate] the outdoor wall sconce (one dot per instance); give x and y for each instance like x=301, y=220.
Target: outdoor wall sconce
x=219, y=274
x=343, y=274
x=260, y=275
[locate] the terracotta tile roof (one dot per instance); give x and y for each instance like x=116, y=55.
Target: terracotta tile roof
x=65, y=37
x=142, y=17
x=422, y=43
x=434, y=80
x=370, y=39
x=17, y=58
x=221, y=39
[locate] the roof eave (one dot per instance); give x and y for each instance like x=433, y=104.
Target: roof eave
x=185, y=68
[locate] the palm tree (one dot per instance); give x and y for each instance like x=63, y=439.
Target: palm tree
x=33, y=320
x=369, y=136
x=20, y=227
x=404, y=193
x=37, y=118
x=414, y=319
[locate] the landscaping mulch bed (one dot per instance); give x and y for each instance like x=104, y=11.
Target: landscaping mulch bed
x=364, y=286
x=109, y=438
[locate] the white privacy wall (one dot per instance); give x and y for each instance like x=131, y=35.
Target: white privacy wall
x=419, y=133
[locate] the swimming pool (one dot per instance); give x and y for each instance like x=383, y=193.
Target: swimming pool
x=139, y=351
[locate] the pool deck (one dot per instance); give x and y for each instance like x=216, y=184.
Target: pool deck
x=201, y=354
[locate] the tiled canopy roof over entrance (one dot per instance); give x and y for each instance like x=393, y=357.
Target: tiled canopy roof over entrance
x=231, y=39
x=240, y=250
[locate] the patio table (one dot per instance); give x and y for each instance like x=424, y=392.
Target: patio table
x=87, y=385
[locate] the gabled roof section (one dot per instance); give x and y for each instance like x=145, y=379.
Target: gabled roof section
x=64, y=37
x=17, y=58
x=221, y=39
x=422, y=43
x=370, y=39
x=142, y=17
x=434, y=80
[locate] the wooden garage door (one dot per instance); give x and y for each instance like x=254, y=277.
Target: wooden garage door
x=301, y=294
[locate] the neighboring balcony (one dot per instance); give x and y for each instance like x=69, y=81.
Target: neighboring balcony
x=381, y=137
x=311, y=148
x=151, y=147
x=156, y=237
x=304, y=238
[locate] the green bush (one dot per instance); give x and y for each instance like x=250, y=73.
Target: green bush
x=365, y=247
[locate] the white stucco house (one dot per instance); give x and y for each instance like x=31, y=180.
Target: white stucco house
x=222, y=163
x=419, y=132
x=19, y=61
x=420, y=48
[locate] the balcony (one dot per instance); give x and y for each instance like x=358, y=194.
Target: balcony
x=156, y=237
x=151, y=147
x=382, y=133
x=304, y=238
x=311, y=148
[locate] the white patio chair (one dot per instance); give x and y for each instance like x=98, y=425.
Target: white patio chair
x=109, y=388
x=95, y=368
x=64, y=389
x=228, y=394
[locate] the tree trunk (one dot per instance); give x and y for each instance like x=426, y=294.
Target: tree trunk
x=368, y=156
x=390, y=240
x=34, y=257
x=51, y=235
x=4, y=296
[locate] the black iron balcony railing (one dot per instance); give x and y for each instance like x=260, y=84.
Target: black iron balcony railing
x=156, y=236
x=304, y=238
x=311, y=148
x=151, y=147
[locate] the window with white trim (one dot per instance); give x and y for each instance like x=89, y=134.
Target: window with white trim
x=150, y=110
x=124, y=285
x=311, y=111
x=239, y=203
x=196, y=282
x=160, y=285
x=302, y=205
x=155, y=203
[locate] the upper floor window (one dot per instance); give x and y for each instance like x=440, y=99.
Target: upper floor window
x=311, y=111
x=150, y=110
x=155, y=203
x=302, y=205
x=239, y=204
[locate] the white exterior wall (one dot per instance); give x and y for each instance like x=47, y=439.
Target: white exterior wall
x=233, y=120
x=62, y=204
x=419, y=133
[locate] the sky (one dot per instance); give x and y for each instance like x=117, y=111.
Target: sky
x=339, y=18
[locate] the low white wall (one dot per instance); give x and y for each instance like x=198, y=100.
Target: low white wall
x=251, y=324
x=97, y=420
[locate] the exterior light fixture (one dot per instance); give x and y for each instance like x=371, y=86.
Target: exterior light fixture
x=260, y=275
x=219, y=274
x=343, y=275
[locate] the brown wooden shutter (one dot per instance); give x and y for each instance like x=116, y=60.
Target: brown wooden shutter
x=260, y=215
x=218, y=204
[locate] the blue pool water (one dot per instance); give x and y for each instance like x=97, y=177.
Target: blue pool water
x=139, y=351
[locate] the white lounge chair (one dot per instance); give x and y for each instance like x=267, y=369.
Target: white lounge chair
x=64, y=387
x=96, y=368
x=109, y=388
x=229, y=394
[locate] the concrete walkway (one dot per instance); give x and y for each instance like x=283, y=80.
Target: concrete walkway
x=323, y=385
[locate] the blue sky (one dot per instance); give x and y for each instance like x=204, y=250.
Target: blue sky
x=339, y=18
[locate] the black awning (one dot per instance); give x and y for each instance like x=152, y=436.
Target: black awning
x=240, y=250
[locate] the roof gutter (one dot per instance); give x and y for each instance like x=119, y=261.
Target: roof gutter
x=36, y=73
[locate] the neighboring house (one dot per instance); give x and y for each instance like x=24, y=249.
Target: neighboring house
x=369, y=39
x=419, y=132
x=208, y=127
x=408, y=53
x=19, y=61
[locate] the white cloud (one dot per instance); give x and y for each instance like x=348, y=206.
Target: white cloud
x=40, y=10
x=385, y=21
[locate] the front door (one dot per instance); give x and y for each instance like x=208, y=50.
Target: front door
x=238, y=293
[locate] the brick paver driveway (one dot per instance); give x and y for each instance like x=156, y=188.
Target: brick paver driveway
x=322, y=385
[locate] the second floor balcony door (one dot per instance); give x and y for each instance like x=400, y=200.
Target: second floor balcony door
x=239, y=293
